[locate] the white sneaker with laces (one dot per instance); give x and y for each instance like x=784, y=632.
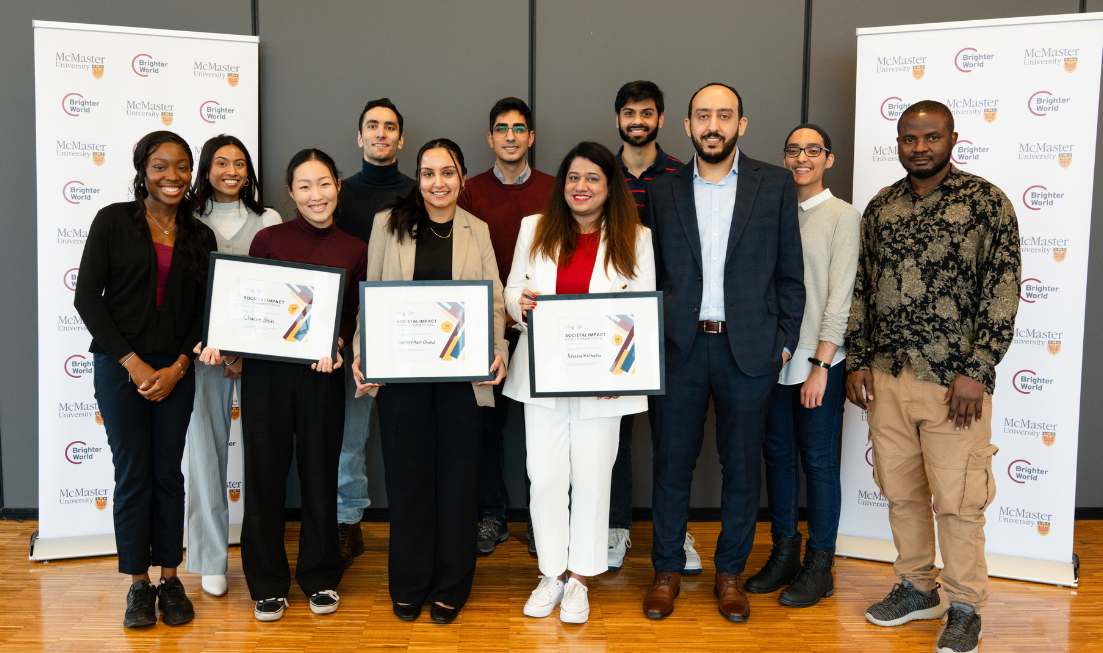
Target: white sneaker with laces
x=324, y=602
x=693, y=559
x=215, y=585
x=270, y=609
x=575, y=608
x=619, y=543
x=545, y=597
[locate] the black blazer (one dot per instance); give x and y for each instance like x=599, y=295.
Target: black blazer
x=116, y=293
x=763, y=271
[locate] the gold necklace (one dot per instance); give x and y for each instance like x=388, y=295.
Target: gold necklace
x=167, y=231
x=440, y=236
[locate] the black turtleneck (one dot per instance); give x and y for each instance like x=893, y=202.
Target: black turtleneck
x=363, y=193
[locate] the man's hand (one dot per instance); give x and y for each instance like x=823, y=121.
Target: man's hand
x=966, y=399
x=811, y=391
x=859, y=388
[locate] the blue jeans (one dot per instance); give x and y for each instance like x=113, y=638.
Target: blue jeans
x=352, y=471
x=814, y=433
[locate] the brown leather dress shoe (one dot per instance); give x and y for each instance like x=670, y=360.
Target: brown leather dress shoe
x=350, y=541
x=733, y=602
x=659, y=601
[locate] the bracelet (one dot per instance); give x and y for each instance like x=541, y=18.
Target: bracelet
x=181, y=369
x=231, y=363
x=818, y=363
x=123, y=361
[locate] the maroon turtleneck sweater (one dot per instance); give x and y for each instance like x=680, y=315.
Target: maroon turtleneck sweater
x=299, y=241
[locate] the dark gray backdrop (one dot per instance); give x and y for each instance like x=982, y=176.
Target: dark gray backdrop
x=444, y=64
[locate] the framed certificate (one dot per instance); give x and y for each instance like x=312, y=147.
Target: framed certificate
x=600, y=345
x=426, y=331
x=275, y=310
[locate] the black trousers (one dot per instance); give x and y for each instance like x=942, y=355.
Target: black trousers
x=493, y=494
x=288, y=408
x=430, y=436
x=147, y=445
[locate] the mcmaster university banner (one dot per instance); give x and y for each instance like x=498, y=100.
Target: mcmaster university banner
x=1025, y=98
x=98, y=90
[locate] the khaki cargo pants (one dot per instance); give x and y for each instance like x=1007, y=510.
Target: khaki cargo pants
x=918, y=454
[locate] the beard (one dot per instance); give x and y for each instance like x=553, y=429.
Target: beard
x=638, y=139
x=714, y=157
x=926, y=173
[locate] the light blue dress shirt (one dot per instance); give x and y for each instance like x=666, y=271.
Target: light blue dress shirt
x=715, y=205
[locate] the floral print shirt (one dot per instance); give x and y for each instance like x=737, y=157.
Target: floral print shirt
x=938, y=281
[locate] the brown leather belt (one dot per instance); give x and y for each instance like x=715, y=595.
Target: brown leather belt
x=712, y=326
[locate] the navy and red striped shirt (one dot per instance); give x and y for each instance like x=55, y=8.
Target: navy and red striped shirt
x=663, y=165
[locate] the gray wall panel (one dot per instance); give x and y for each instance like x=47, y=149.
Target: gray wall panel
x=580, y=64
x=18, y=257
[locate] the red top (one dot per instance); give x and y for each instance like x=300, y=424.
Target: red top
x=164, y=258
x=501, y=207
x=299, y=241
x=574, y=277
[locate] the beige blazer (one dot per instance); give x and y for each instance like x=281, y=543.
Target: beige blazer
x=540, y=275
x=472, y=260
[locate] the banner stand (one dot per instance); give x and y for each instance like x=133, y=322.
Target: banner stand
x=59, y=548
x=1061, y=574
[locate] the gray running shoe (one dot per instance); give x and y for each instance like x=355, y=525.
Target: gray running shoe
x=903, y=604
x=962, y=633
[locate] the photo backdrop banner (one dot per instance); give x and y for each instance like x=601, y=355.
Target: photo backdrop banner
x=1025, y=98
x=99, y=89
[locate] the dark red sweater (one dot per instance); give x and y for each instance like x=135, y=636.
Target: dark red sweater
x=501, y=207
x=300, y=242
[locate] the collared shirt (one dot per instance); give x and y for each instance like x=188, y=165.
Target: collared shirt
x=938, y=281
x=715, y=205
x=664, y=164
x=816, y=200
x=521, y=178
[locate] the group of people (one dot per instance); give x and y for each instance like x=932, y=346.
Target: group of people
x=780, y=301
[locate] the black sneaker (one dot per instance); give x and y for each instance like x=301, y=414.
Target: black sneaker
x=531, y=538
x=903, y=604
x=141, y=605
x=269, y=609
x=492, y=531
x=324, y=602
x=962, y=633
x=176, y=607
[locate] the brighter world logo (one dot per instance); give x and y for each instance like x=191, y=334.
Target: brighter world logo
x=76, y=192
x=77, y=366
x=892, y=107
x=212, y=112
x=75, y=105
x=1028, y=381
x=966, y=152
x=969, y=59
x=145, y=65
x=1044, y=103
x=1036, y=198
x=78, y=452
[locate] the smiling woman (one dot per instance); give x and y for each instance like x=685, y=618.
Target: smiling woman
x=140, y=292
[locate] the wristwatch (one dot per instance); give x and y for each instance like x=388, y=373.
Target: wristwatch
x=818, y=363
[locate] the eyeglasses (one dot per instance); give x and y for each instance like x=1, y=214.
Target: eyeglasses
x=812, y=151
x=518, y=130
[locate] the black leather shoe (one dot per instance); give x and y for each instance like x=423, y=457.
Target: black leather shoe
x=813, y=582
x=443, y=615
x=407, y=612
x=780, y=569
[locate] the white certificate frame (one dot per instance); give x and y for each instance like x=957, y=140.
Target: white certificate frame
x=224, y=308
x=380, y=341
x=549, y=368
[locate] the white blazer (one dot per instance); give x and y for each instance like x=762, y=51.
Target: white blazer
x=539, y=275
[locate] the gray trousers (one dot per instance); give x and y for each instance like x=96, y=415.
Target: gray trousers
x=208, y=444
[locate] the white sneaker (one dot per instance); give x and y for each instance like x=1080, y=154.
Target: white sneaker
x=324, y=602
x=270, y=609
x=619, y=543
x=215, y=585
x=693, y=559
x=576, y=607
x=545, y=597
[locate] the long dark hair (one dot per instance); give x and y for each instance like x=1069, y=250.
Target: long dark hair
x=408, y=214
x=203, y=191
x=189, y=240
x=557, y=231
x=313, y=154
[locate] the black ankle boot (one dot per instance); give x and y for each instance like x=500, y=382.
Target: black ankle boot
x=813, y=582
x=781, y=568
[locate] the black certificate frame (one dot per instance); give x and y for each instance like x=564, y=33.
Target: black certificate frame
x=212, y=266
x=488, y=284
x=533, y=321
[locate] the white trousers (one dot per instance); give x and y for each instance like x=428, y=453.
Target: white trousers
x=570, y=465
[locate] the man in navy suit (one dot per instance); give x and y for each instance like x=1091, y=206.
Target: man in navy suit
x=728, y=260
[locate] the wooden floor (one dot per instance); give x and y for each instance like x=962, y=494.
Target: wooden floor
x=77, y=605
